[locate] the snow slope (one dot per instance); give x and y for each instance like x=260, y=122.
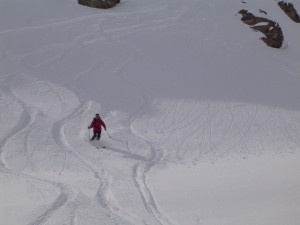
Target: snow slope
x=204, y=118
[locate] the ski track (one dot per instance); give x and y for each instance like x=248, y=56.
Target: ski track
x=142, y=168
x=104, y=178
x=57, y=132
x=177, y=125
x=27, y=119
x=140, y=173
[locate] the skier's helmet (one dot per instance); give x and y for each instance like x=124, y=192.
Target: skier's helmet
x=97, y=115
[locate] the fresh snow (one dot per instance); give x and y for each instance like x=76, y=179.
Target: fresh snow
x=203, y=118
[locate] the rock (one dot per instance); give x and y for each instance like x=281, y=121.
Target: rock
x=102, y=4
x=289, y=10
x=262, y=11
x=273, y=34
x=250, y=19
x=271, y=30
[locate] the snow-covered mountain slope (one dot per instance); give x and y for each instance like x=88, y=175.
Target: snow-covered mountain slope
x=203, y=118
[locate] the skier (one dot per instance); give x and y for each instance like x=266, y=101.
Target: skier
x=97, y=125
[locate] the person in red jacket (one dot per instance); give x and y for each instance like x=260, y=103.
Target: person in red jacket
x=97, y=125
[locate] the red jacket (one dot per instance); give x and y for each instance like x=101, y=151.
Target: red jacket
x=96, y=124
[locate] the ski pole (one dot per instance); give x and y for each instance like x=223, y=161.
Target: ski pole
x=89, y=133
x=107, y=133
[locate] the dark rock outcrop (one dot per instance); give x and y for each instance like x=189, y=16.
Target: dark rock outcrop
x=271, y=30
x=289, y=10
x=273, y=34
x=250, y=19
x=262, y=11
x=102, y=4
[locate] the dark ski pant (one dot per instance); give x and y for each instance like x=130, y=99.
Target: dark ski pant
x=97, y=135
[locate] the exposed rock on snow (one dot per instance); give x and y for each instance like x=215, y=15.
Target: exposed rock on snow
x=262, y=11
x=102, y=4
x=250, y=19
x=271, y=29
x=289, y=10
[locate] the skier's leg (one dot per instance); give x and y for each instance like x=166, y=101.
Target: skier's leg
x=94, y=135
x=98, y=135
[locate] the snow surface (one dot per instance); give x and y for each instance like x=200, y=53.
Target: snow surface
x=204, y=118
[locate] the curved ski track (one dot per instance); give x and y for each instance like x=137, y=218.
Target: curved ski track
x=40, y=146
x=49, y=142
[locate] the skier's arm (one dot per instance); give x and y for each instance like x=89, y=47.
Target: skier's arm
x=103, y=124
x=92, y=125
